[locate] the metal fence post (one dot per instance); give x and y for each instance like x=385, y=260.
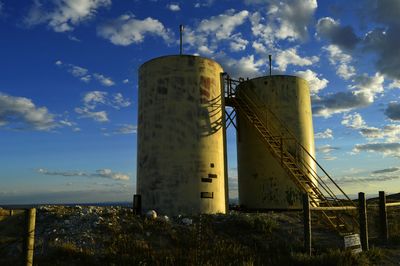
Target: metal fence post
x=362, y=210
x=307, y=224
x=383, y=222
x=137, y=204
x=29, y=241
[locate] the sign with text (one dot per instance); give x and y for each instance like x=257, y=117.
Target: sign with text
x=353, y=243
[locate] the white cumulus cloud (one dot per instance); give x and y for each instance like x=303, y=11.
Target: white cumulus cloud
x=64, y=15
x=389, y=133
x=326, y=149
x=284, y=19
x=246, y=66
x=84, y=74
x=92, y=99
x=327, y=134
x=106, y=81
x=290, y=57
x=99, y=116
x=126, y=30
x=316, y=84
x=341, y=60
x=354, y=121
x=174, y=7
x=121, y=129
x=223, y=25
x=238, y=43
x=22, y=114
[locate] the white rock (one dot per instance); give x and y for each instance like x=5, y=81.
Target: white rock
x=151, y=214
x=187, y=221
x=164, y=218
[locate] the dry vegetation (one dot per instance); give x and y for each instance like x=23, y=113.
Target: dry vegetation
x=122, y=238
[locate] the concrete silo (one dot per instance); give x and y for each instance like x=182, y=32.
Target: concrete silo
x=181, y=141
x=263, y=183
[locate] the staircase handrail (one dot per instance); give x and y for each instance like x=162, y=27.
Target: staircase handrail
x=239, y=92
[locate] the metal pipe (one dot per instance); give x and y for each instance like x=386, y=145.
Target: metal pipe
x=392, y=204
x=342, y=208
x=383, y=224
x=180, y=37
x=363, y=220
x=270, y=64
x=307, y=224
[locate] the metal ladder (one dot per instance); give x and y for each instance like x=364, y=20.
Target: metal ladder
x=293, y=157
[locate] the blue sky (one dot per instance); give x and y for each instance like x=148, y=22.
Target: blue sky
x=68, y=85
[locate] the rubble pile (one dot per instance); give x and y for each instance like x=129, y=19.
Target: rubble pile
x=81, y=226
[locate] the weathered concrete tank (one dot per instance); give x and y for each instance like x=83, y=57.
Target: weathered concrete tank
x=181, y=163
x=263, y=183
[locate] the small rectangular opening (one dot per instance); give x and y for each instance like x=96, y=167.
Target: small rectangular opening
x=207, y=180
x=212, y=165
x=207, y=195
x=212, y=176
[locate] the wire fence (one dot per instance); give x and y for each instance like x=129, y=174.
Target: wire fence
x=17, y=229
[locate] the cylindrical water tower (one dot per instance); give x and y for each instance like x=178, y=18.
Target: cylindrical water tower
x=181, y=163
x=263, y=183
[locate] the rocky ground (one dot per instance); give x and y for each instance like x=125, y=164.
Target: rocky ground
x=113, y=235
x=81, y=226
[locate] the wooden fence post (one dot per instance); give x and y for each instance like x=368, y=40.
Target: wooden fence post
x=29, y=241
x=137, y=204
x=307, y=224
x=362, y=211
x=383, y=222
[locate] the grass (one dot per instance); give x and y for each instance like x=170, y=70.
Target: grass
x=11, y=232
x=239, y=239
x=394, y=225
x=235, y=239
x=340, y=257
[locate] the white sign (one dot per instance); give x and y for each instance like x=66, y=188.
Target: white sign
x=353, y=243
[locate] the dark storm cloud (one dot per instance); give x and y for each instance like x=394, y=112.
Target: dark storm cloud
x=384, y=40
x=385, y=11
x=339, y=102
x=342, y=36
x=387, y=148
x=393, y=111
x=385, y=43
x=104, y=173
x=366, y=179
x=387, y=170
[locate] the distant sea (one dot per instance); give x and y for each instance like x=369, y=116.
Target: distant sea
x=233, y=201
x=104, y=204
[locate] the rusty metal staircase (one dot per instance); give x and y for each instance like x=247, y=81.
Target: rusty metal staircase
x=303, y=169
